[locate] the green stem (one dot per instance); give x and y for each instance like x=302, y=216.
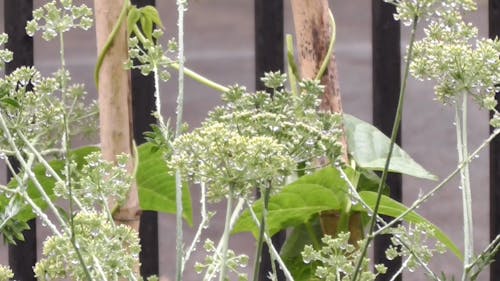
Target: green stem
x=429, y=194
x=225, y=238
x=461, y=129
x=293, y=72
x=260, y=242
x=109, y=41
x=272, y=250
x=395, y=129
x=329, y=53
x=201, y=79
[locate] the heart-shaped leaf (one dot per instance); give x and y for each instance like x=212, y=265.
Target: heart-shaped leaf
x=369, y=148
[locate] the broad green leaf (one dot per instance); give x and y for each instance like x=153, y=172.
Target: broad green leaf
x=294, y=205
x=298, y=202
x=370, y=147
x=157, y=186
x=391, y=207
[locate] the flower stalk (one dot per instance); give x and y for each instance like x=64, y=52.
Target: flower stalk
x=462, y=147
x=395, y=129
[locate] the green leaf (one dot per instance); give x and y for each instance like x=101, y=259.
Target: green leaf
x=298, y=202
x=151, y=13
x=132, y=18
x=147, y=27
x=370, y=147
x=391, y=207
x=157, y=186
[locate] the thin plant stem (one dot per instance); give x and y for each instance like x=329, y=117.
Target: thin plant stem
x=225, y=238
x=433, y=191
x=180, y=100
x=293, y=72
x=356, y=196
x=272, y=250
x=66, y=146
x=201, y=79
x=260, y=242
x=203, y=225
x=329, y=52
x=400, y=270
x=40, y=214
x=234, y=217
x=461, y=129
x=109, y=41
x=395, y=129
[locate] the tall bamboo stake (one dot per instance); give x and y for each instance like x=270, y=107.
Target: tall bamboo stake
x=313, y=32
x=115, y=102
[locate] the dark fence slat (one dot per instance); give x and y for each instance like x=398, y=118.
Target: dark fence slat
x=142, y=106
x=269, y=56
x=22, y=257
x=386, y=84
x=494, y=31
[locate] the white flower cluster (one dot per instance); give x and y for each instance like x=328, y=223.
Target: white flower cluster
x=451, y=53
x=232, y=164
x=337, y=260
x=412, y=244
x=108, y=252
x=5, y=273
x=292, y=120
x=32, y=105
x=98, y=181
x=257, y=139
x=5, y=55
x=235, y=263
x=407, y=11
x=54, y=19
x=150, y=54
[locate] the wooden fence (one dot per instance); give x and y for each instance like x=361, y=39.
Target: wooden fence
x=268, y=56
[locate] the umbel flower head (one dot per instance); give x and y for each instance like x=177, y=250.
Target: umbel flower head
x=5, y=273
x=256, y=138
x=109, y=252
x=230, y=163
x=451, y=54
x=292, y=120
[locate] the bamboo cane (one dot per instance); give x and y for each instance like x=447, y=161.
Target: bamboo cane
x=115, y=111
x=313, y=32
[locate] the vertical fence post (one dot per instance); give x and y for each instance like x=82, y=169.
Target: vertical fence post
x=494, y=31
x=386, y=57
x=22, y=257
x=142, y=107
x=269, y=56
